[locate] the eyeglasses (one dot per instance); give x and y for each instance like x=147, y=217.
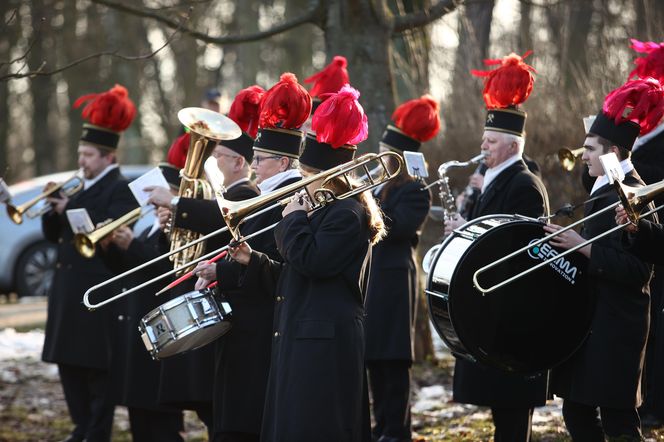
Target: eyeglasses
x=258, y=160
x=217, y=155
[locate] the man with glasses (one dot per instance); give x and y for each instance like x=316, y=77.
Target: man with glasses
x=244, y=354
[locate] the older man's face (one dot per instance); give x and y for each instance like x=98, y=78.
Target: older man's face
x=497, y=147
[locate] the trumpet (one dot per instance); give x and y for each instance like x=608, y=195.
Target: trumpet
x=568, y=157
x=235, y=213
x=37, y=206
x=86, y=243
x=633, y=199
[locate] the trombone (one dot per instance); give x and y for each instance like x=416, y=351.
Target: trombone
x=633, y=199
x=568, y=157
x=235, y=213
x=70, y=187
x=85, y=243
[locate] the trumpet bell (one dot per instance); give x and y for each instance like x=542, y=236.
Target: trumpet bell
x=14, y=214
x=209, y=124
x=85, y=245
x=635, y=199
x=568, y=158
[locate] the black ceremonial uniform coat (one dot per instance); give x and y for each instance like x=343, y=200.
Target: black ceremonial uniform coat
x=136, y=383
x=243, y=354
x=74, y=335
x=514, y=191
x=316, y=375
x=606, y=370
x=194, y=372
x=393, y=283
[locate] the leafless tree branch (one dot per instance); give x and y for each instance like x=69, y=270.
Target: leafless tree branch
x=421, y=18
x=12, y=17
x=312, y=15
x=31, y=44
x=39, y=72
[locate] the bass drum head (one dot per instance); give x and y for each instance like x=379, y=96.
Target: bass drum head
x=531, y=324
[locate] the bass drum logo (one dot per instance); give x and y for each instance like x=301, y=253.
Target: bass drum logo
x=545, y=251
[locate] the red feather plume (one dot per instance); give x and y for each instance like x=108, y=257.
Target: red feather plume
x=340, y=119
x=177, y=153
x=286, y=104
x=641, y=101
x=418, y=118
x=508, y=85
x=112, y=110
x=331, y=79
x=652, y=65
x=246, y=108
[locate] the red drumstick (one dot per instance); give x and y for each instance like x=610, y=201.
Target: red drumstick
x=190, y=273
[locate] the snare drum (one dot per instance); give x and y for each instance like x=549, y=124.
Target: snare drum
x=527, y=326
x=185, y=323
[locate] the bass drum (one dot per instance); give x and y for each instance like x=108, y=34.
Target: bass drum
x=527, y=326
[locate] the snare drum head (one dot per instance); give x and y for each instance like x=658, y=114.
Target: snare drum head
x=531, y=324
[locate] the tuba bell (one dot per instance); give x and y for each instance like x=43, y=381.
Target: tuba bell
x=207, y=128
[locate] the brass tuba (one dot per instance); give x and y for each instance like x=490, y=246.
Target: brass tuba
x=207, y=128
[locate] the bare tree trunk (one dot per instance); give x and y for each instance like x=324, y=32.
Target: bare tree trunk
x=366, y=45
x=8, y=39
x=85, y=78
x=474, y=32
x=649, y=20
x=42, y=88
x=525, y=23
x=134, y=150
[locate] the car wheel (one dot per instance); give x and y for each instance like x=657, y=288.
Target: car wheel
x=35, y=269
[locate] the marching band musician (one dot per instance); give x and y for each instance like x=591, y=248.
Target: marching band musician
x=75, y=339
x=393, y=285
x=508, y=187
x=648, y=159
x=316, y=383
x=134, y=382
x=605, y=373
x=243, y=356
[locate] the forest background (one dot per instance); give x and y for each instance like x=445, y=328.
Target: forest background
x=167, y=52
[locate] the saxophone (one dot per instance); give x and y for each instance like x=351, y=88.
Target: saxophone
x=207, y=128
x=444, y=192
x=447, y=201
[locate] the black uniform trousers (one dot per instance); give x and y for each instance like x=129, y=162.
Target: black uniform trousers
x=584, y=424
x=512, y=424
x=156, y=426
x=390, y=388
x=90, y=407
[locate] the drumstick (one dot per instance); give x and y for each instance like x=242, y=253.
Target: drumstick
x=190, y=273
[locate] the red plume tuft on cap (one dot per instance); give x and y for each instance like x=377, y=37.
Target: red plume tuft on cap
x=246, y=108
x=508, y=85
x=286, y=104
x=331, y=79
x=418, y=118
x=652, y=65
x=340, y=119
x=177, y=153
x=641, y=101
x=111, y=110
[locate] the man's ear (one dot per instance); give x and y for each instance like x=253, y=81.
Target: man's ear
x=284, y=163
